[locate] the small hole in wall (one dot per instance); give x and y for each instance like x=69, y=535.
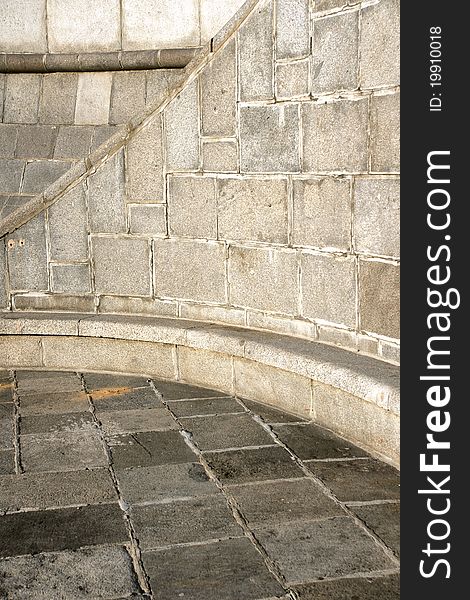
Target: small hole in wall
x=11, y=243
x=21, y=243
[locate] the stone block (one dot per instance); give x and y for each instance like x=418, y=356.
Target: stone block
x=182, y=130
x=103, y=135
x=160, y=24
x=266, y=279
x=4, y=299
x=335, y=136
x=96, y=26
x=215, y=14
x=252, y=209
x=7, y=462
x=292, y=28
x=22, y=98
x=385, y=133
x=377, y=216
x=2, y=94
x=6, y=426
x=292, y=80
x=380, y=44
x=220, y=157
x=19, y=351
x=54, y=302
x=145, y=164
x=51, y=424
x=132, y=421
x=71, y=279
x=379, y=297
x=54, y=403
x=36, y=141
x=255, y=43
x=189, y=269
x=270, y=415
x=329, y=288
x=269, y=138
x=106, y=197
x=130, y=274
x=335, y=64
x=11, y=172
x=216, y=314
x=384, y=520
x=59, y=93
x=322, y=213
x=8, y=137
x=206, y=406
x=128, y=96
x=192, y=209
x=137, y=306
x=159, y=82
x=205, y=368
x=73, y=142
x=219, y=93
x=93, y=98
x=149, y=219
x=27, y=257
x=40, y=174
x=173, y=390
x=386, y=587
x=120, y=394
x=23, y=26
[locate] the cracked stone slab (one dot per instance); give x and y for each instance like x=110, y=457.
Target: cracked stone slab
x=209, y=406
x=363, y=588
x=384, y=520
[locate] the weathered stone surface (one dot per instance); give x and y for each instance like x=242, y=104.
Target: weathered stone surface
x=241, y=466
x=67, y=226
x=270, y=415
x=182, y=130
x=335, y=61
x=105, y=572
x=36, y=141
x=264, y=279
x=322, y=213
x=71, y=279
x=23, y=26
x=96, y=26
x=7, y=462
x=385, y=133
x=215, y=15
x=335, y=136
x=18, y=351
x=179, y=391
x=159, y=82
x=379, y=297
x=128, y=96
x=193, y=520
x=190, y=269
x=54, y=303
x=106, y=190
x=217, y=571
x=292, y=28
x=205, y=368
x=252, y=209
x=366, y=588
x=10, y=175
x=292, y=80
x=192, y=210
x=73, y=142
x=380, y=44
x=269, y=138
x=62, y=529
x=40, y=174
x=53, y=423
x=145, y=164
x=384, y=520
x=209, y=406
x=27, y=258
x=93, y=98
x=220, y=157
x=148, y=218
x=8, y=137
x=321, y=549
x=59, y=93
x=329, y=289
x=6, y=426
x=54, y=403
x=255, y=42
x=104, y=381
x=127, y=421
x=377, y=216
x=137, y=306
x=22, y=98
x=219, y=94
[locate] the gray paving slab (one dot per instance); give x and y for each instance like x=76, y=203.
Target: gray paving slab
x=54, y=403
x=6, y=391
x=210, y=406
x=180, y=391
x=147, y=419
x=125, y=398
x=351, y=588
x=384, y=520
x=99, y=381
x=7, y=462
x=6, y=425
x=56, y=423
x=58, y=383
x=270, y=415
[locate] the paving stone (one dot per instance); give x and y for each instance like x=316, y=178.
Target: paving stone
x=149, y=219
x=279, y=502
x=310, y=442
x=6, y=426
x=335, y=136
x=128, y=96
x=335, y=64
x=22, y=98
x=292, y=80
x=350, y=588
x=194, y=520
x=219, y=93
x=241, y=466
x=59, y=93
x=150, y=419
x=39, y=383
x=270, y=415
x=10, y=175
x=182, y=130
x=385, y=133
x=269, y=139
x=54, y=490
x=292, y=28
x=384, y=520
x=8, y=137
x=124, y=399
x=93, y=98
x=180, y=391
x=53, y=423
x=220, y=157
x=328, y=548
x=54, y=403
x=99, y=572
x=130, y=275
x=100, y=381
x=102, y=133
x=106, y=197
x=329, y=288
x=255, y=43
x=359, y=479
x=219, y=571
x=67, y=226
x=73, y=142
x=36, y=141
x=71, y=279
x=12, y=203
x=192, y=207
x=7, y=462
x=226, y=431
x=62, y=529
x=379, y=297
x=148, y=449
x=40, y=174
x=62, y=451
x=6, y=390
x=322, y=212
x=165, y=482
x=212, y=406
x=252, y=209
x=145, y=164
x=159, y=83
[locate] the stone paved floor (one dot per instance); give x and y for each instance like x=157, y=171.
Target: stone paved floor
x=118, y=487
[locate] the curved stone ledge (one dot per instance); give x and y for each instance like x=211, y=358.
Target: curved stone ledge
x=355, y=396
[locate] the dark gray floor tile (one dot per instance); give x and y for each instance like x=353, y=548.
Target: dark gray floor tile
x=6, y=391
x=62, y=382
x=7, y=416
x=384, y=520
x=134, y=420
x=270, y=415
x=352, y=588
x=7, y=462
x=54, y=423
x=54, y=403
x=210, y=406
x=179, y=391
x=104, y=381
x=120, y=399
